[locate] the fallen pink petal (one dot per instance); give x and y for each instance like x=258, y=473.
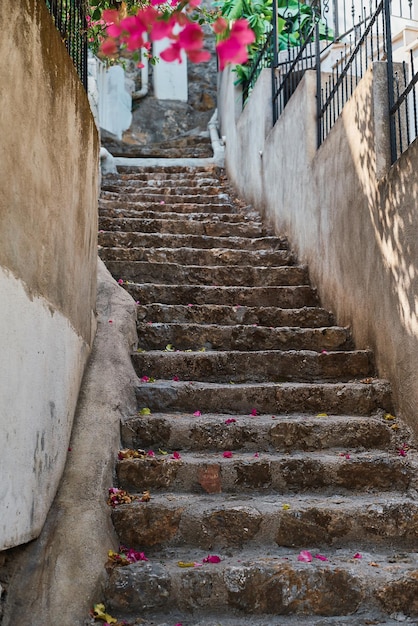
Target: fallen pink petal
x=151, y=453
x=120, y=281
x=254, y=412
x=320, y=557
x=176, y=455
x=230, y=420
x=256, y=455
x=227, y=454
x=197, y=414
x=212, y=558
x=176, y=379
x=357, y=556
x=305, y=556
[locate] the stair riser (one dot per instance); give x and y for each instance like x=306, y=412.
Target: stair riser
x=271, y=589
x=158, y=240
x=115, y=213
x=165, y=189
x=173, y=227
x=284, y=297
x=255, y=338
x=255, y=434
x=254, y=367
x=154, y=196
x=274, y=474
x=155, y=205
x=171, y=274
x=149, y=527
x=190, y=256
x=308, y=317
x=334, y=399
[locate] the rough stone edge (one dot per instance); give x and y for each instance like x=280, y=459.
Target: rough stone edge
x=57, y=577
x=218, y=158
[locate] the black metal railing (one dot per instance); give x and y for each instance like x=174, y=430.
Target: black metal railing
x=364, y=43
x=263, y=59
x=70, y=19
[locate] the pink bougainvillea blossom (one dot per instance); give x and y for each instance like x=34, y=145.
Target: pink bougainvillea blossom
x=254, y=412
x=230, y=420
x=357, y=556
x=233, y=49
x=305, y=556
x=176, y=379
x=227, y=454
x=197, y=414
x=320, y=557
x=212, y=558
x=176, y=455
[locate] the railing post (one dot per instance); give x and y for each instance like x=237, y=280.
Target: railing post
x=318, y=87
x=274, y=63
x=391, y=96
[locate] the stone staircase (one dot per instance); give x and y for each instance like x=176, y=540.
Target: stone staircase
x=267, y=481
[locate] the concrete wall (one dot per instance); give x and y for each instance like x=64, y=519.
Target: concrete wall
x=48, y=255
x=348, y=214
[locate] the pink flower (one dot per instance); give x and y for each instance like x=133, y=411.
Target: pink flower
x=151, y=453
x=191, y=37
x=172, y=53
x=176, y=456
x=254, y=412
x=230, y=420
x=321, y=557
x=220, y=25
x=227, y=454
x=212, y=558
x=145, y=379
x=176, y=379
x=256, y=455
x=305, y=556
x=133, y=556
x=120, y=281
x=357, y=556
x=197, y=414
x=234, y=48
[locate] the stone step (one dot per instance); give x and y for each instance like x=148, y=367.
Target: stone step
x=304, y=317
x=261, y=433
x=115, y=202
x=194, y=256
x=208, y=228
x=117, y=213
x=283, y=297
x=226, y=522
x=180, y=171
x=162, y=240
x=215, y=275
x=242, y=367
x=173, y=199
x=155, y=336
x=164, y=179
x=247, y=583
x=327, y=472
x=165, y=189
x=354, y=398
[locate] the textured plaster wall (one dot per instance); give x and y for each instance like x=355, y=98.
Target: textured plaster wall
x=48, y=252
x=349, y=215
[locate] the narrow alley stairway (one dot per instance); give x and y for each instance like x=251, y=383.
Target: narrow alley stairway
x=264, y=479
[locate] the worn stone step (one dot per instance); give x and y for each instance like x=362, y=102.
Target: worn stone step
x=207, y=228
x=366, y=618
x=354, y=398
x=117, y=202
x=166, y=189
x=261, y=433
x=241, y=367
x=284, y=297
x=304, y=317
x=163, y=240
x=172, y=199
x=297, y=472
x=247, y=583
x=155, y=336
x=112, y=212
x=181, y=171
x=162, y=179
x=194, y=256
x=223, y=522
x=174, y=274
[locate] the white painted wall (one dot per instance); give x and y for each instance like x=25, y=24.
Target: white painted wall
x=169, y=79
x=41, y=366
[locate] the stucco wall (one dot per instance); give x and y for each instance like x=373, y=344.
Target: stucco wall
x=48, y=256
x=349, y=215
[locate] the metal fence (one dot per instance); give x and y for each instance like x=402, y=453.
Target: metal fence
x=70, y=19
x=344, y=38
